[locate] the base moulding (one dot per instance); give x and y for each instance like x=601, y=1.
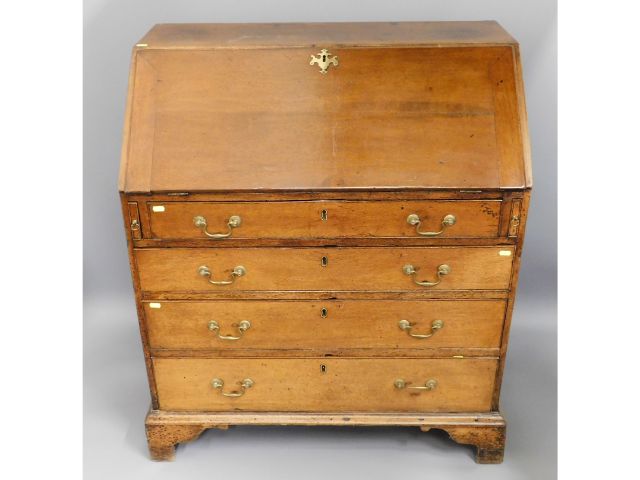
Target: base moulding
x=485, y=431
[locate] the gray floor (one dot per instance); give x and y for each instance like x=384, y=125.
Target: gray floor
x=116, y=399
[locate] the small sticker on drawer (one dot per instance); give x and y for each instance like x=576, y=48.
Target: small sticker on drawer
x=158, y=208
x=154, y=305
x=504, y=253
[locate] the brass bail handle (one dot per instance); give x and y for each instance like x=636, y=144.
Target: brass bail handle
x=440, y=272
x=245, y=384
x=429, y=385
x=242, y=327
x=406, y=325
x=201, y=223
x=447, y=221
x=238, y=271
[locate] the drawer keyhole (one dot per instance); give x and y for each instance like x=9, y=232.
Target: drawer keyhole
x=324, y=215
x=324, y=312
x=323, y=368
x=324, y=261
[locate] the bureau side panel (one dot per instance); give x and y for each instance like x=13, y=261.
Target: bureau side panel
x=138, y=297
x=522, y=222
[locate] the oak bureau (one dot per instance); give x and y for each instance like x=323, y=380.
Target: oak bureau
x=325, y=224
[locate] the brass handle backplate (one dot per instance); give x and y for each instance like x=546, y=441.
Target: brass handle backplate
x=406, y=325
x=429, y=385
x=242, y=327
x=238, y=271
x=245, y=384
x=440, y=272
x=447, y=221
x=201, y=223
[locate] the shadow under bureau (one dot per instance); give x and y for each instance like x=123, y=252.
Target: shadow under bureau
x=325, y=224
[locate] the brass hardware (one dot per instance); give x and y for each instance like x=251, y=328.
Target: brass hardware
x=242, y=327
x=514, y=222
x=324, y=215
x=406, y=325
x=447, y=221
x=324, y=261
x=141, y=45
x=513, y=227
x=442, y=270
x=135, y=224
x=458, y=356
x=324, y=312
x=504, y=253
x=238, y=271
x=157, y=208
x=428, y=385
x=323, y=368
x=201, y=222
x=324, y=59
x=245, y=384
x=155, y=305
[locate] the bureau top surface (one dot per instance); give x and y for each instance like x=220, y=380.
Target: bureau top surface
x=248, y=107
x=257, y=35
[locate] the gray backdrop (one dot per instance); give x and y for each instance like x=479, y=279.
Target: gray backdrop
x=116, y=395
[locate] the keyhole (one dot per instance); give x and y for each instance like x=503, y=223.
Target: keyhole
x=324, y=58
x=323, y=368
x=324, y=312
x=324, y=261
x=324, y=215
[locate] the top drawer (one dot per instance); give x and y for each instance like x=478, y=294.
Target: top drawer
x=325, y=219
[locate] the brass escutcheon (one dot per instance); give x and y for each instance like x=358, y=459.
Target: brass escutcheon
x=324, y=59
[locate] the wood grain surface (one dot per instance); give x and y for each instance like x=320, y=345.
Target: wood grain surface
x=393, y=34
x=371, y=269
x=417, y=117
x=324, y=325
x=485, y=431
x=434, y=118
x=343, y=385
x=324, y=219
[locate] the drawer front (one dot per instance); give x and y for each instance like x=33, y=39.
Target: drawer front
x=327, y=325
x=324, y=219
x=325, y=385
x=335, y=269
